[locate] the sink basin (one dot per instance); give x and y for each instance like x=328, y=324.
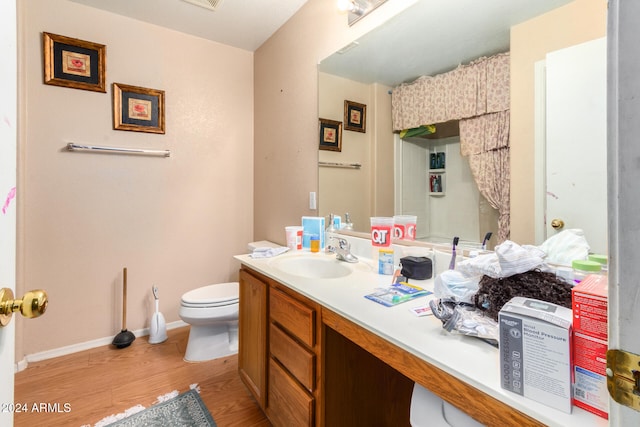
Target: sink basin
x=313, y=267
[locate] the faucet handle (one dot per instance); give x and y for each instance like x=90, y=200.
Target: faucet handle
x=344, y=244
x=341, y=241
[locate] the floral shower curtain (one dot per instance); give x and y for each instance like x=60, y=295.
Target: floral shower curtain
x=477, y=94
x=485, y=141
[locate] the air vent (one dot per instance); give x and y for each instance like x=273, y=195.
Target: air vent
x=207, y=4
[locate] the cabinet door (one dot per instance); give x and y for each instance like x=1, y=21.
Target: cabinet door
x=252, y=351
x=289, y=404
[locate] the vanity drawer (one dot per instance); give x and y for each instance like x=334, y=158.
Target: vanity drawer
x=288, y=404
x=299, y=361
x=292, y=315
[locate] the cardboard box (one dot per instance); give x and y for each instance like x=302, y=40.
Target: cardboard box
x=312, y=225
x=590, y=304
x=589, y=300
x=535, y=351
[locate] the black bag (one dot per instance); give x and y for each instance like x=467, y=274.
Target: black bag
x=416, y=267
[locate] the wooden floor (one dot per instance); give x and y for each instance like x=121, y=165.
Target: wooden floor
x=103, y=381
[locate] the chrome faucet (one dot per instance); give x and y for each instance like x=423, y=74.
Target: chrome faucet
x=342, y=250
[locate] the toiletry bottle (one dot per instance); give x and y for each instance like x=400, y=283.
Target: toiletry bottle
x=329, y=232
x=584, y=267
x=330, y=226
x=315, y=243
x=348, y=225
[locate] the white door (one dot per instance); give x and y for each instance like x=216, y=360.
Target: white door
x=624, y=197
x=576, y=141
x=8, y=145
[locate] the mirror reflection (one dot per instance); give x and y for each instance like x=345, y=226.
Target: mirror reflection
x=395, y=174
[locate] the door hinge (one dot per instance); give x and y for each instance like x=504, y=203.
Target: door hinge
x=623, y=378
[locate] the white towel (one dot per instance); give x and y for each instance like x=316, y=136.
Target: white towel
x=509, y=259
x=515, y=259
x=486, y=264
x=268, y=252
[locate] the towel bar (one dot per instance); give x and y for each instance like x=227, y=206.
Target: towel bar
x=73, y=147
x=340, y=165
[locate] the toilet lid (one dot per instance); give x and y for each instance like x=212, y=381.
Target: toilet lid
x=219, y=294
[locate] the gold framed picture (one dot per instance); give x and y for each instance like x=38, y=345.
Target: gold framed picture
x=138, y=109
x=74, y=63
x=330, y=135
x=355, y=116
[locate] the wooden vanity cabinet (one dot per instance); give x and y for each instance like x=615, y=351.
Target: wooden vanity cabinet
x=294, y=354
x=252, y=334
x=279, y=350
x=309, y=366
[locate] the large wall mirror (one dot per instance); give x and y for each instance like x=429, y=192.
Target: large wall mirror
x=377, y=173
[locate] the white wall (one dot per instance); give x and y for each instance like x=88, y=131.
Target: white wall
x=456, y=213
x=174, y=222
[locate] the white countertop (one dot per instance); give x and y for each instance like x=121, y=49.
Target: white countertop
x=468, y=359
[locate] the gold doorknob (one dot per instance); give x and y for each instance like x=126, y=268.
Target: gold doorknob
x=33, y=304
x=557, y=224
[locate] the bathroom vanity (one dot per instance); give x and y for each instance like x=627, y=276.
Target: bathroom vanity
x=315, y=352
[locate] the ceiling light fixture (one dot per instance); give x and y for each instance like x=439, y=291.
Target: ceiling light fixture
x=358, y=9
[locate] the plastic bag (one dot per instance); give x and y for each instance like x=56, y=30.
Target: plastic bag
x=566, y=246
x=466, y=320
x=455, y=286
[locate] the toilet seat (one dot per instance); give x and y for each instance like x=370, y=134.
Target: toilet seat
x=219, y=295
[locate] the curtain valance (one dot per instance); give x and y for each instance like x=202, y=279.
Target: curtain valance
x=478, y=88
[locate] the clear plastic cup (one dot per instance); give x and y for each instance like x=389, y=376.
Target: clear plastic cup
x=404, y=227
x=381, y=231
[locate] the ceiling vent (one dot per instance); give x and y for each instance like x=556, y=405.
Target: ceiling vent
x=207, y=4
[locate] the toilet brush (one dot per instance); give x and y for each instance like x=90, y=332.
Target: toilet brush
x=158, y=327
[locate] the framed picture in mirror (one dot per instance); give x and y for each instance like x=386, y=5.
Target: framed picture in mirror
x=330, y=135
x=355, y=116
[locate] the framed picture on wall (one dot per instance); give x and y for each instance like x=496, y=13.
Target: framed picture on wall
x=138, y=109
x=330, y=135
x=74, y=63
x=355, y=116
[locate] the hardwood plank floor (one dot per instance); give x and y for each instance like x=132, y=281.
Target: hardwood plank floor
x=90, y=385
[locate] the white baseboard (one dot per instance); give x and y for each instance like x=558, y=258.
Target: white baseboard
x=87, y=345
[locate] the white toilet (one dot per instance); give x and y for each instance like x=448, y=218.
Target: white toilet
x=212, y=312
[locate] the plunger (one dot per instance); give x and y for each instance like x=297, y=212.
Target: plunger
x=124, y=338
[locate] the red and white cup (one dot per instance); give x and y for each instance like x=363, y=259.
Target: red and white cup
x=404, y=227
x=381, y=231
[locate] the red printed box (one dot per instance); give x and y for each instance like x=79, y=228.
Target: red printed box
x=589, y=301
x=590, y=306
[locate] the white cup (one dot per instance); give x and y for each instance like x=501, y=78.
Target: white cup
x=294, y=237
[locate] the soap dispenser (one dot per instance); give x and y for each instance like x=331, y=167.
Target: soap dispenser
x=330, y=227
x=329, y=232
x=348, y=225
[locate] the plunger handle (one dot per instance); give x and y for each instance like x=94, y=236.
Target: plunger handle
x=124, y=299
